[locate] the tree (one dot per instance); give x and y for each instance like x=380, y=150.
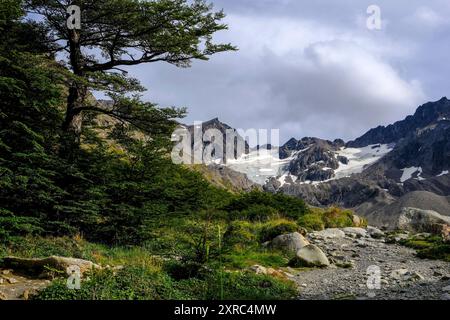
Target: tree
x=119, y=33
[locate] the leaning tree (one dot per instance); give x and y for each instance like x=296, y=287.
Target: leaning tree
x=114, y=34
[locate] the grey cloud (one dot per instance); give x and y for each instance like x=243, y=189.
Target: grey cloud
x=311, y=68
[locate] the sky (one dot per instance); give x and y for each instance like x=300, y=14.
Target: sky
x=313, y=68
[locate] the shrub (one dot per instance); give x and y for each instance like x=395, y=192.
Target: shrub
x=274, y=228
x=312, y=221
x=338, y=218
x=285, y=206
x=241, y=234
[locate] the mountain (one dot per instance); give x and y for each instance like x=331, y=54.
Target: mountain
x=372, y=173
x=426, y=115
x=222, y=128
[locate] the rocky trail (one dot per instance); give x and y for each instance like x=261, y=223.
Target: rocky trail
x=356, y=258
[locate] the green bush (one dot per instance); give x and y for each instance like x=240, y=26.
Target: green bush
x=269, y=204
x=318, y=219
x=338, y=218
x=312, y=221
x=431, y=247
x=274, y=228
x=240, y=234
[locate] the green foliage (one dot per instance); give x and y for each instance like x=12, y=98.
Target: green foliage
x=319, y=219
x=241, y=234
x=257, y=205
x=430, y=247
x=274, y=228
x=137, y=283
x=244, y=258
x=338, y=218
x=312, y=221
x=249, y=286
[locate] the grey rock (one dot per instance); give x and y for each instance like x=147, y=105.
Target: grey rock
x=328, y=233
x=291, y=242
x=310, y=256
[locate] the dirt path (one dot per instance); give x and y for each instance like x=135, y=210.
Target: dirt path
x=403, y=275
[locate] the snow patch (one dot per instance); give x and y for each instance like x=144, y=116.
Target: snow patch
x=443, y=173
x=408, y=173
x=360, y=158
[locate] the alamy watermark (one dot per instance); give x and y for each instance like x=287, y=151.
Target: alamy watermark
x=74, y=280
x=74, y=17
x=196, y=145
x=373, y=22
x=373, y=280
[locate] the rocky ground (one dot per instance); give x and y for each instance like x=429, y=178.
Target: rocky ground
x=14, y=286
x=355, y=258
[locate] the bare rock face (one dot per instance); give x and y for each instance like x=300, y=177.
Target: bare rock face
x=37, y=266
x=418, y=220
x=291, y=242
x=310, y=256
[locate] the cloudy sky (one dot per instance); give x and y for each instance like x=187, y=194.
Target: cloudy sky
x=313, y=68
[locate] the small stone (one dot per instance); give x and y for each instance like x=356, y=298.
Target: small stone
x=446, y=289
x=6, y=272
x=3, y=296
x=415, y=276
x=11, y=280
x=304, y=285
x=26, y=295
x=445, y=296
x=258, y=269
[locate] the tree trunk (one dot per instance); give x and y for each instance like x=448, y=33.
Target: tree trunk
x=73, y=121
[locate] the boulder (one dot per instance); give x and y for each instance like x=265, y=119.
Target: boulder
x=310, y=256
x=291, y=242
x=445, y=232
x=332, y=233
x=375, y=232
x=355, y=232
x=37, y=266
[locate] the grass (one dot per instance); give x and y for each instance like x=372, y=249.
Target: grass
x=431, y=247
x=202, y=257
x=246, y=258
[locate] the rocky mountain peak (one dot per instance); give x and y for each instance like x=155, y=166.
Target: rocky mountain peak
x=425, y=115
